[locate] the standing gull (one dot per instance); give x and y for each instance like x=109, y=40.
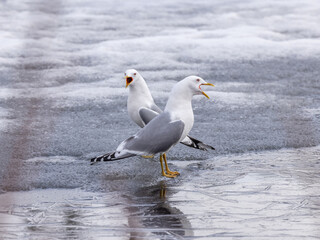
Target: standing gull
x=141, y=98
x=166, y=129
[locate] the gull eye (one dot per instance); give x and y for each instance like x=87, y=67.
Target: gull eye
x=198, y=80
x=135, y=74
x=125, y=74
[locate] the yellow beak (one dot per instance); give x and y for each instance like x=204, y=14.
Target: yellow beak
x=208, y=84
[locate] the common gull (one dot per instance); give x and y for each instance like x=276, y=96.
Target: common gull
x=140, y=97
x=164, y=130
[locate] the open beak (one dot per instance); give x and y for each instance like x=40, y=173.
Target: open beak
x=128, y=80
x=208, y=84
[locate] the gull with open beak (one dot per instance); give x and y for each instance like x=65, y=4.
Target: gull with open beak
x=164, y=130
x=140, y=98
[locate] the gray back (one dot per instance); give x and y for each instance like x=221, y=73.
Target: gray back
x=156, y=137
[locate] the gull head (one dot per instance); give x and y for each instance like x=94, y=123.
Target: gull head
x=131, y=76
x=194, y=83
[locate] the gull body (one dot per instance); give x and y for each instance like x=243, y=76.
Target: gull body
x=140, y=97
x=180, y=107
x=164, y=130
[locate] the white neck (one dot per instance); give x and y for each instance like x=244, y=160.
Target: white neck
x=180, y=98
x=180, y=108
x=140, y=86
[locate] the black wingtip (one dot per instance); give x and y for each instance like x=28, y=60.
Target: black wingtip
x=200, y=145
x=92, y=161
x=205, y=147
x=95, y=160
x=104, y=158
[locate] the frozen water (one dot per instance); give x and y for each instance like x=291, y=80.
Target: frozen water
x=62, y=101
x=251, y=195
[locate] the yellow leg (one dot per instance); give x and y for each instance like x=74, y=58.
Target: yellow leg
x=162, y=169
x=167, y=167
x=147, y=156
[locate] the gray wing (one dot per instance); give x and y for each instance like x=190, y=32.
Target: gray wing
x=147, y=115
x=155, y=108
x=156, y=137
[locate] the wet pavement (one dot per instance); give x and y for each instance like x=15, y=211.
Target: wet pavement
x=63, y=101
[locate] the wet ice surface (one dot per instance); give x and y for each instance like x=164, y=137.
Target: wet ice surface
x=62, y=101
x=266, y=194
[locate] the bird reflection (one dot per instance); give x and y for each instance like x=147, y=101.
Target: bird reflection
x=156, y=213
